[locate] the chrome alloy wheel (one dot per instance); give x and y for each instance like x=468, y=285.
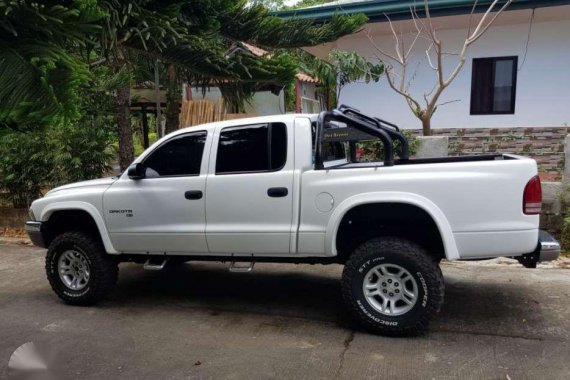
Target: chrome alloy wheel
x=390, y=289
x=73, y=269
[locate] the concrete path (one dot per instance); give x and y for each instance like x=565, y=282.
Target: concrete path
x=283, y=321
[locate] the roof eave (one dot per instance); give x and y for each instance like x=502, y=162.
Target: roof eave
x=399, y=10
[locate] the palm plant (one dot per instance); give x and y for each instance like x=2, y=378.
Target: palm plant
x=46, y=48
x=214, y=26
x=38, y=73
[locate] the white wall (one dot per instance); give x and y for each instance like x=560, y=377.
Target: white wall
x=542, y=89
x=266, y=103
x=263, y=103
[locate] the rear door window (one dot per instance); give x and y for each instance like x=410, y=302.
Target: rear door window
x=252, y=148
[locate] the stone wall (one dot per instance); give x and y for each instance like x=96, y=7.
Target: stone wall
x=432, y=146
x=13, y=217
x=554, y=207
x=545, y=145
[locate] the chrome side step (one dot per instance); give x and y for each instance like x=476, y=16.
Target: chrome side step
x=149, y=265
x=241, y=269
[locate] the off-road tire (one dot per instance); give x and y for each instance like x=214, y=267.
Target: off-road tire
x=408, y=255
x=104, y=269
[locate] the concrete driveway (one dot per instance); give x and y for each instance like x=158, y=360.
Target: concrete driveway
x=283, y=321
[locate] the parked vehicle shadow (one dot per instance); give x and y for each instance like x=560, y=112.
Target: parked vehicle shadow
x=472, y=305
x=278, y=290
x=493, y=304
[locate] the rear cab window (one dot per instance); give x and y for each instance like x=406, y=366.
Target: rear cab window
x=334, y=152
x=252, y=148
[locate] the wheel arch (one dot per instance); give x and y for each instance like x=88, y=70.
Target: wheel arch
x=397, y=198
x=82, y=208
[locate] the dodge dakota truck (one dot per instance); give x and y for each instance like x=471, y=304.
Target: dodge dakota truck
x=298, y=189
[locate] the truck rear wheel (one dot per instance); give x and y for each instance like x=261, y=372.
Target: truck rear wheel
x=79, y=270
x=392, y=286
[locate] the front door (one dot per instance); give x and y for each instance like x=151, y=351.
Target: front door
x=165, y=210
x=249, y=203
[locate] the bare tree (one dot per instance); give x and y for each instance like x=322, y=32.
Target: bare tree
x=435, y=54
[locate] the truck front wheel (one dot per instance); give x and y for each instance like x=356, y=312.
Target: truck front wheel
x=392, y=286
x=79, y=270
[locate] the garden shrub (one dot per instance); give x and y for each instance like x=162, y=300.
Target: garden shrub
x=565, y=235
x=26, y=165
x=31, y=162
x=373, y=150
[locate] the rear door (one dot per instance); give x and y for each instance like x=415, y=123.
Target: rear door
x=249, y=190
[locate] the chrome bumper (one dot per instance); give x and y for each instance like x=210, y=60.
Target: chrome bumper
x=549, y=247
x=34, y=230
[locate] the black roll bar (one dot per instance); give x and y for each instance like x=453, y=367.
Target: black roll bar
x=359, y=124
x=391, y=129
x=388, y=123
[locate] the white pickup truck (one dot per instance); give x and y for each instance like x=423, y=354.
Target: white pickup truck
x=295, y=189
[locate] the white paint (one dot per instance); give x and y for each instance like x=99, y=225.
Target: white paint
x=477, y=206
x=241, y=217
x=542, y=84
x=351, y=201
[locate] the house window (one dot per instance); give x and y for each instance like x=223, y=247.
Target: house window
x=253, y=148
x=493, y=86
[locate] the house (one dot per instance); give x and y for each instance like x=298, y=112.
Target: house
x=269, y=99
x=512, y=92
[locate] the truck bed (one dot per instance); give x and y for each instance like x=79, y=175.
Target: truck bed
x=431, y=160
x=480, y=196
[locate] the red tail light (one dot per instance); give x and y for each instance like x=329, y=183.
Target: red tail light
x=532, y=198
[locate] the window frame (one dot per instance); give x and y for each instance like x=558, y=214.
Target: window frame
x=269, y=134
x=494, y=60
x=182, y=135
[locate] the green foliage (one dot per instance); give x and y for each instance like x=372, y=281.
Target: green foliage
x=32, y=162
x=138, y=142
x=45, y=46
x=308, y=3
x=290, y=97
x=563, y=197
x=280, y=4
x=373, y=150
x=277, y=32
x=62, y=62
x=26, y=164
x=38, y=74
x=565, y=234
x=82, y=151
x=344, y=67
x=270, y=4
x=70, y=149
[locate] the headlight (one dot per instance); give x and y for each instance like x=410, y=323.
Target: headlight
x=31, y=215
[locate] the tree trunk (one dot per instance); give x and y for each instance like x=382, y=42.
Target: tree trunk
x=144, y=127
x=124, y=130
x=173, y=96
x=426, y=126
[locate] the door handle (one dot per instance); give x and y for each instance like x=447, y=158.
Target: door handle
x=193, y=194
x=276, y=192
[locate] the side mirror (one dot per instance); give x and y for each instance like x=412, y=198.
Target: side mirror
x=136, y=171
